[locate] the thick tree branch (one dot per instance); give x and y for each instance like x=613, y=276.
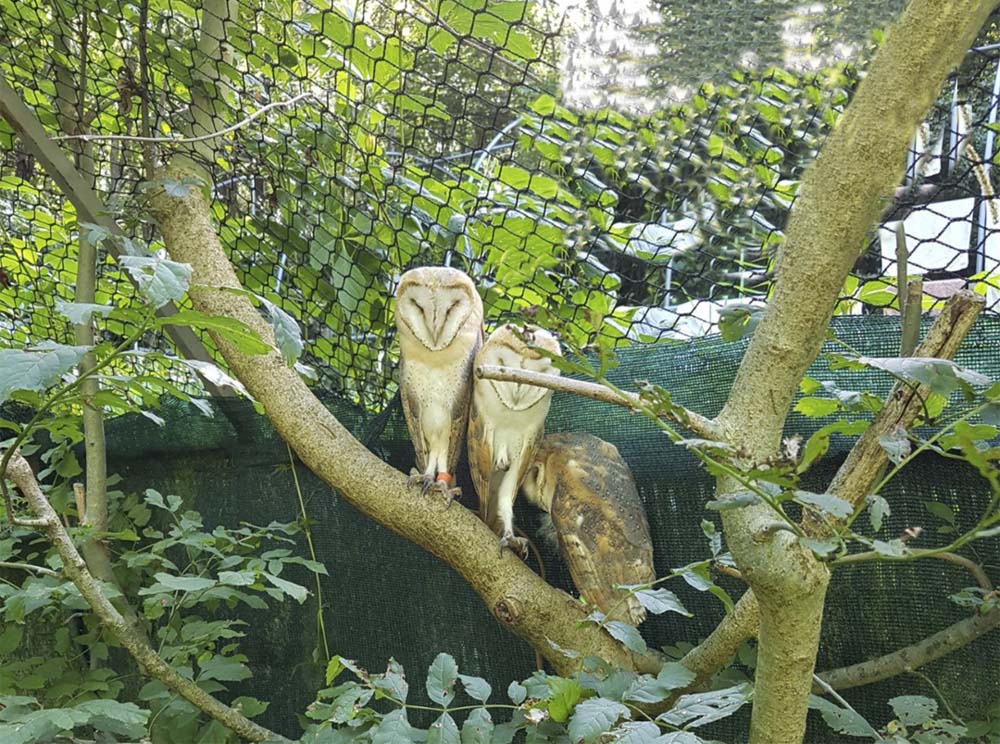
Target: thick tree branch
x=521, y=600
x=866, y=460
x=120, y=629
x=853, y=481
x=841, y=197
x=695, y=422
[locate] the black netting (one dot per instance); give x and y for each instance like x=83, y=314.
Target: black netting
x=525, y=144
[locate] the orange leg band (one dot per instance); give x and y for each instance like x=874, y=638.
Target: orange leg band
x=446, y=477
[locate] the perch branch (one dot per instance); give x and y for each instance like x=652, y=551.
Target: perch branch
x=912, y=657
x=954, y=558
x=518, y=597
x=120, y=629
x=700, y=425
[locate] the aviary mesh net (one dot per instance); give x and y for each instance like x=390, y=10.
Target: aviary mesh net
x=522, y=143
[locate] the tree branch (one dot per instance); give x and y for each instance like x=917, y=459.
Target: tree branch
x=695, y=422
x=853, y=481
x=516, y=596
x=912, y=657
x=866, y=460
x=120, y=629
x=29, y=567
x=954, y=558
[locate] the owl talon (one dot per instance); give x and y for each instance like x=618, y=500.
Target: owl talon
x=444, y=487
x=518, y=545
x=419, y=479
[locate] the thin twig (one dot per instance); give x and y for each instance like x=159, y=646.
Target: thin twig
x=185, y=140
x=700, y=425
x=30, y=567
x=19, y=471
x=959, y=560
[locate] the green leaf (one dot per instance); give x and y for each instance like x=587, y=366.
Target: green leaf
x=822, y=548
x=476, y=687
x=705, y=707
x=817, y=445
x=240, y=334
x=79, y=313
x=395, y=729
x=478, y=727
x=627, y=634
x=842, y=720
x=295, y=591
x=441, y=678
x=942, y=376
x=393, y=682
x=892, y=548
x=565, y=694
x=184, y=583
x=825, y=503
x=878, y=510
x=333, y=669
x=443, y=731
x=593, y=717
x=224, y=669
x=913, y=710
x=159, y=279
x=216, y=376
x=286, y=332
x=638, y=732
x=942, y=511
x=113, y=717
x=36, y=369
x=816, y=407
x=238, y=578
x=10, y=638
x=515, y=691
x=658, y=601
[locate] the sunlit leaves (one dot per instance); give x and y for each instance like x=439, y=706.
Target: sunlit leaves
x=36, y=369
x=159, y=279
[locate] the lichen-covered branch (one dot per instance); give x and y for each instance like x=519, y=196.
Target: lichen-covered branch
x=75, y=569
x=695, y=422
x=840, y=199
x=519, y=598
x=907, y=659
x=861, y=470
x=853, y=481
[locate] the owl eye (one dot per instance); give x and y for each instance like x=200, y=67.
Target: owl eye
x=418, y=306
x=452, y=306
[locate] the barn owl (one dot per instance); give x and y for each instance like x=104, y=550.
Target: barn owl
x=506, y=425
x=439, y=320
x=588, y=490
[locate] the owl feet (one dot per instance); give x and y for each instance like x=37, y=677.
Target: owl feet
x=518, y=545
x=440, y=483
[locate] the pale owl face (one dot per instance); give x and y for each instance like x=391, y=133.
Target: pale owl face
x=434, y=304
x=505, y=348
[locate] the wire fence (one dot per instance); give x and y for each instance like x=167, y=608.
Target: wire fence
x=358, y=140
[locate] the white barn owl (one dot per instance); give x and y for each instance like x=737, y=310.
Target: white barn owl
x=599, y=521
x=439, y=321
x=506, y=425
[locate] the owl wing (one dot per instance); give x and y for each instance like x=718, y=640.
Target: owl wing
x=603, y=537
x=460, y=410
x=411, y=412
x=480, y=460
